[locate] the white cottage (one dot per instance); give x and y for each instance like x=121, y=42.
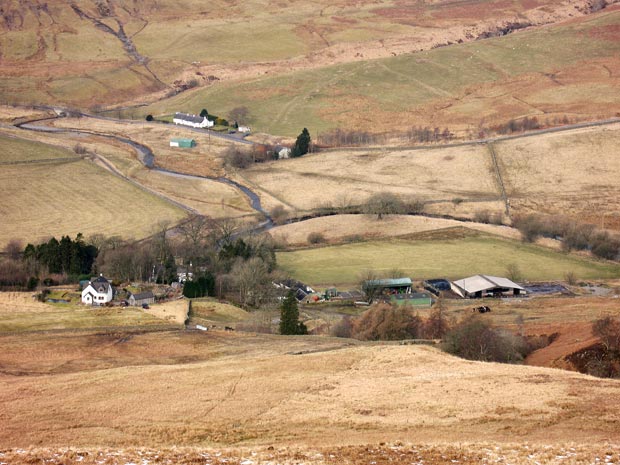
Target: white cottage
x=282, y=152
x=193, y=121
x=98, y=291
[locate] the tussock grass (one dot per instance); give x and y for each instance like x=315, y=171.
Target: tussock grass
x=244, y=390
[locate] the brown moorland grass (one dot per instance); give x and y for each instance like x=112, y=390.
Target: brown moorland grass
x=544, y=173
x=351, y=177
x=574, y=173
x=342, y=227
x=207, y=197
x=258, y=393
x=472, y=453
x=45, y=62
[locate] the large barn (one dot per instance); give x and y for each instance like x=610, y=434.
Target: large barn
x=486, y=286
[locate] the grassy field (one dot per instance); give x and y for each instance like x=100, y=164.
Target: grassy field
x=41, y=200
x=542, y=173
x=338, y=228
x=47, y=64
x=461, y=86
x=344, y=264
x=565, y=173
x=348, y=178
x=18, y=150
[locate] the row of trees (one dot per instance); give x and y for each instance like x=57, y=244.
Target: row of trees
x=574, y=236
x=72, y=257
x=49, y=262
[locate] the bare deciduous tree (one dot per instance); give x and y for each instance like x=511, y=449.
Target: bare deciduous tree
x=383, y=203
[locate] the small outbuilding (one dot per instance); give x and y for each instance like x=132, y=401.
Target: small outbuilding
x=141, y=298
x=416, y=299
x=486, y=286
x=183, y=143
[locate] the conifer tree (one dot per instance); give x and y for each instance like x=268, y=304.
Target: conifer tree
x=289, y=316
x=302, y=144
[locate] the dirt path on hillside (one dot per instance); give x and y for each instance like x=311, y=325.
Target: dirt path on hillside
x=572, y=338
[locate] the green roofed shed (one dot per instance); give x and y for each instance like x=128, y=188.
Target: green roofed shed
x=183, y=143
x=417, y=299
x=396, y=282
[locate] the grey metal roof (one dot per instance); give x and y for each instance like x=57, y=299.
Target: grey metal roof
x=483, y=282
x=190, y=118
x=143, y=295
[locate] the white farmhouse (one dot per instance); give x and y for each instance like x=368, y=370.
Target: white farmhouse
x=193, y=121
x=98, y=291
x=283, y=152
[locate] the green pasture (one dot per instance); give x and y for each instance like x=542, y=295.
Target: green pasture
x=343, y=265
x=319, y=98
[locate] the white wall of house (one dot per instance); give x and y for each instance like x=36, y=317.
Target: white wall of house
x=205, y=123
x=91, y=296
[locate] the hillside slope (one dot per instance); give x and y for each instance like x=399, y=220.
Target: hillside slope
x=98, y=52
x=255, y=390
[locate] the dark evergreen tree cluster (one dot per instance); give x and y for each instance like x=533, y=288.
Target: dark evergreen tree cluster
x=240, y=249
x=73, y=257
x=302, y=144
x=289, y=316
x=201, y=287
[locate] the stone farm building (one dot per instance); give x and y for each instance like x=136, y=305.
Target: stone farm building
x=486, y=286
x=142, y=298
x=193, y=121
x=183, y=143
x=98, y=291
